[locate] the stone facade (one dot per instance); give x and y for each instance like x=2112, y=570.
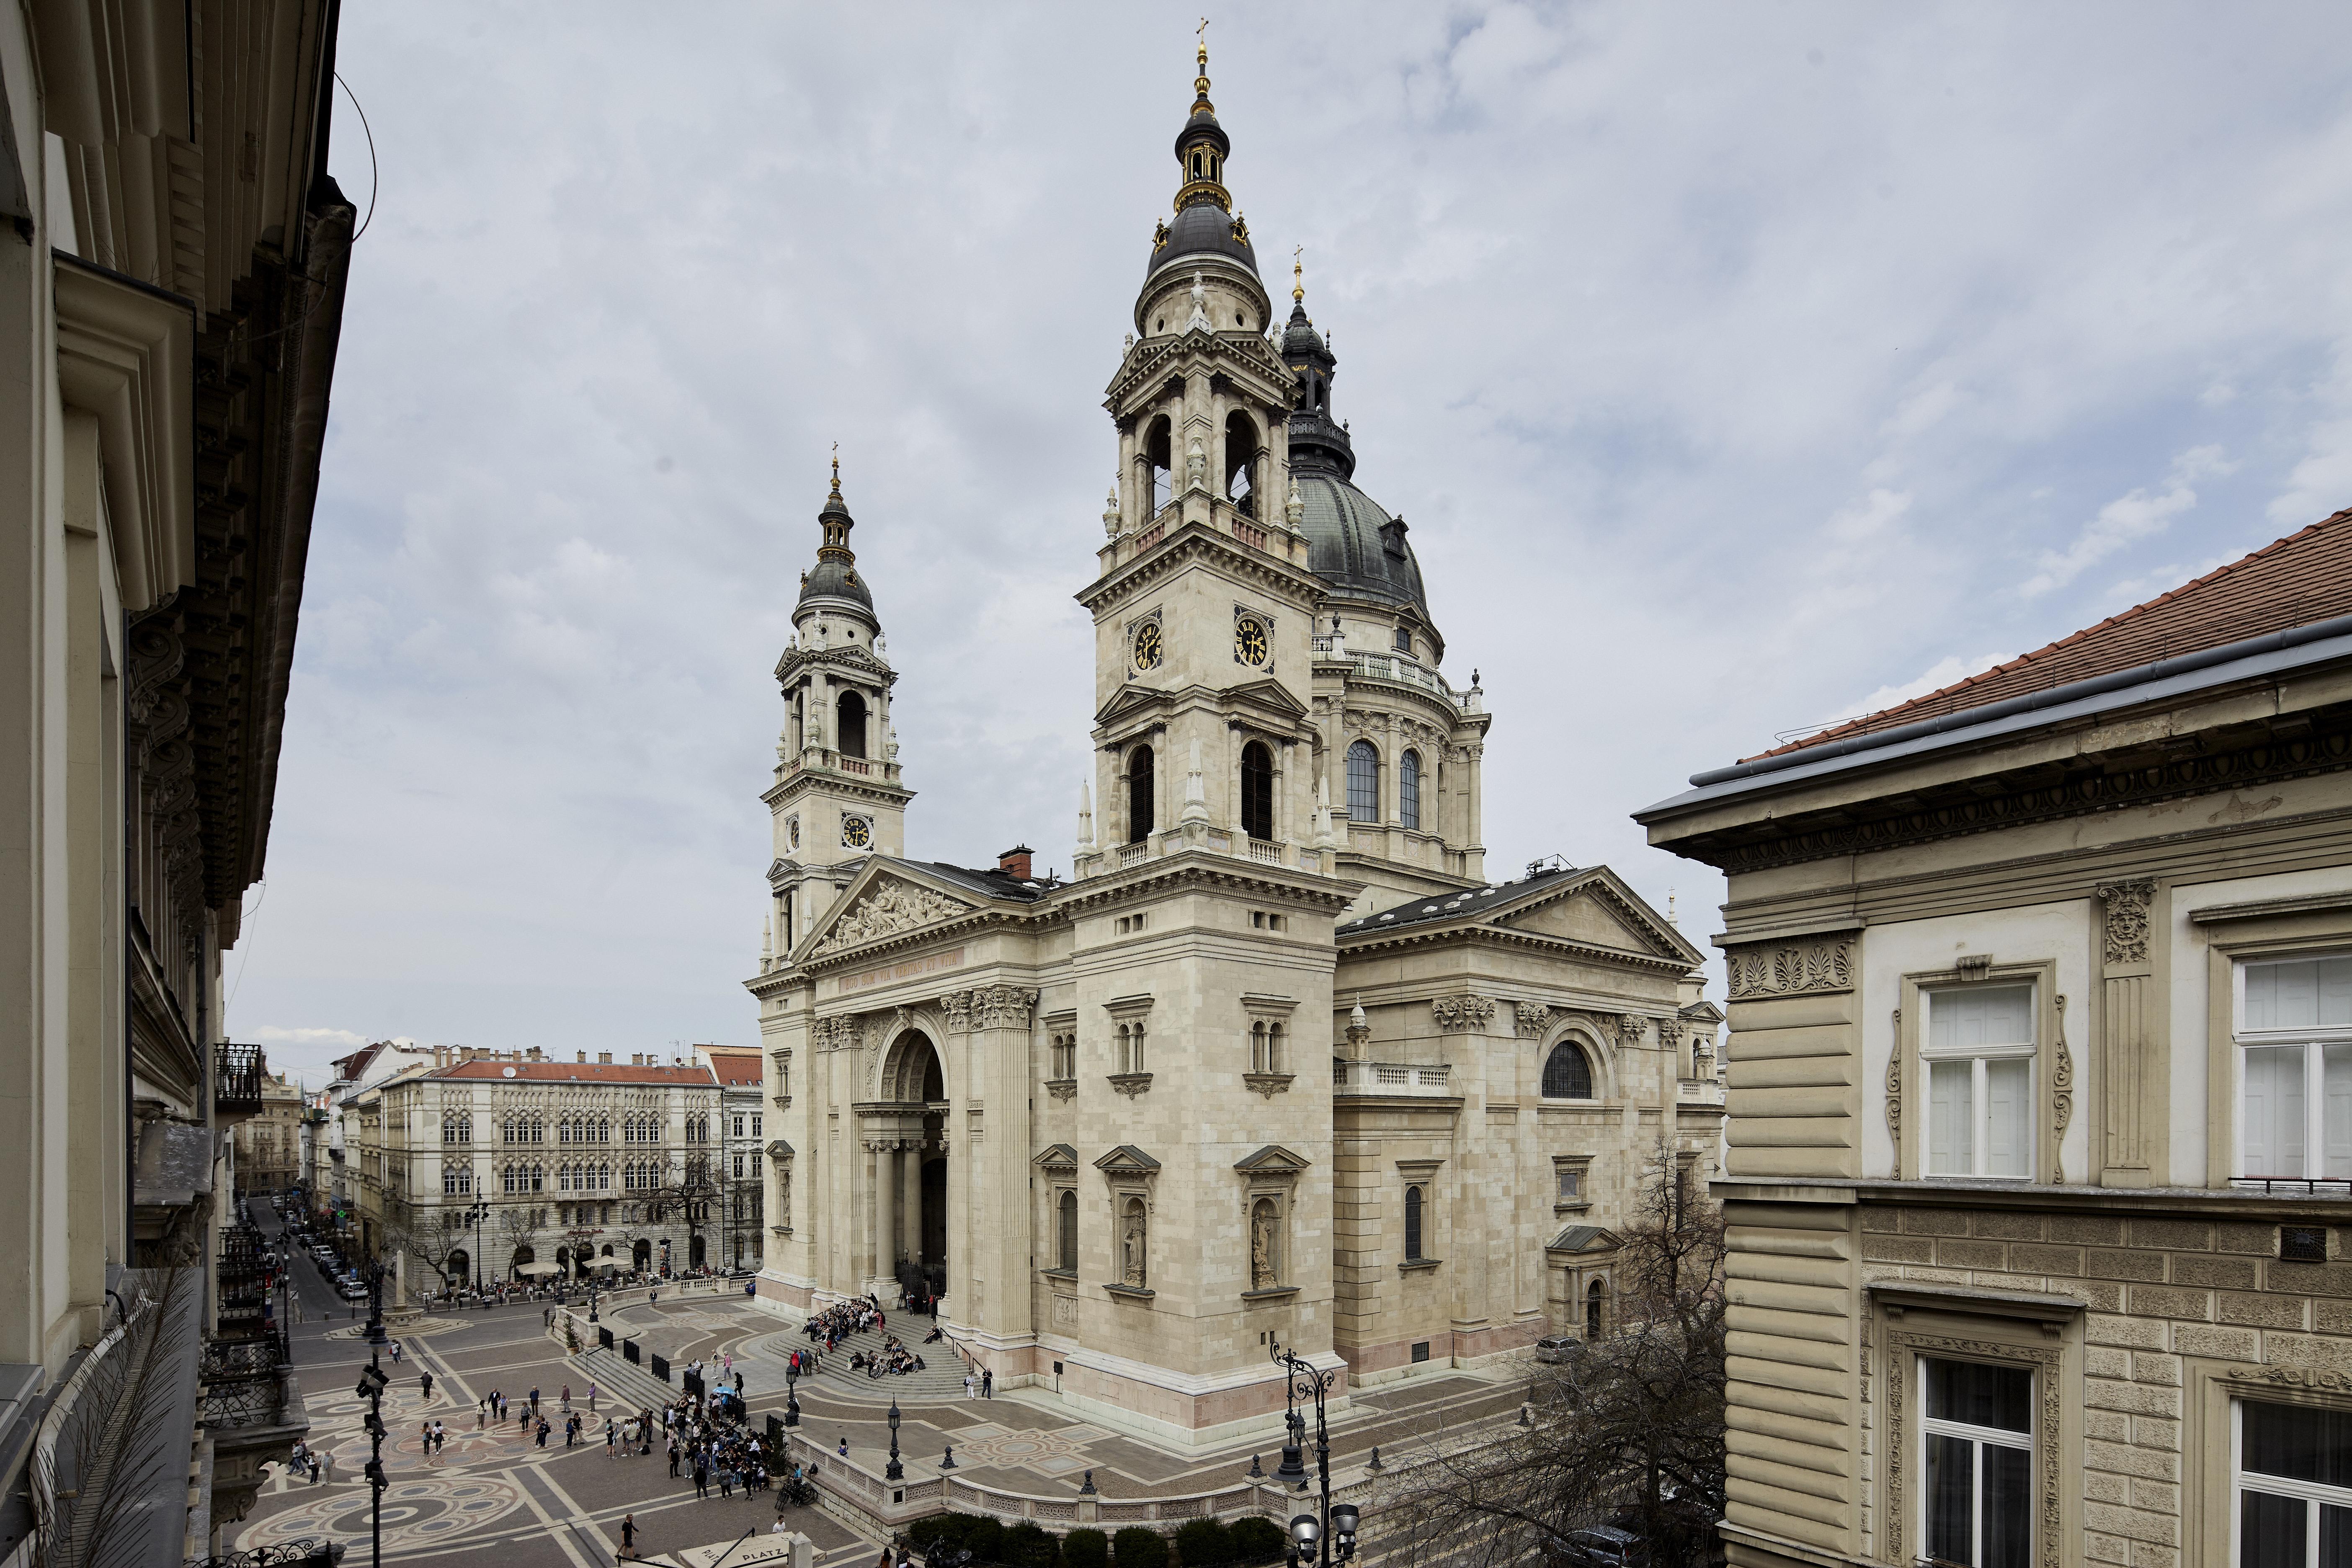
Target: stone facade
x=575, y=1166
x=269, y=1146
x=2075, y=1182
x=1278, y=1065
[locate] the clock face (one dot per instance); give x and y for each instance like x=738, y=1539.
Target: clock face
x=1250, y=640
x=1146, y=645
x=856, y=832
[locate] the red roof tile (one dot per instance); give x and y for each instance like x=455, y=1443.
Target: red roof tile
x=2290, y=582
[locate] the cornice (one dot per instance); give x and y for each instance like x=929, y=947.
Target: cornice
x=1503, y=936
x=1133, y=708
x=1152, y=360
x=850, y=656
x=1193, y=540
x=781, y=792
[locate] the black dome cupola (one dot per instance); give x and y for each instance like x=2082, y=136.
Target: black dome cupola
x=1201, y=148
x=1316, y=439
x=836, y=575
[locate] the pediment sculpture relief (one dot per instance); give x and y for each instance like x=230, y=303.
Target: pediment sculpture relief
x=889, y=909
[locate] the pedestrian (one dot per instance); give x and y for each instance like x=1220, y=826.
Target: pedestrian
x=534, y=1401
x=843, y=1449
x=424, y=1379
x=726, y=1487
x=327, y=1465
x=988, y=1383
x=591, y=1399
x=701, y=1479
x=966, y=1386
x=611, y=1436
x=542, y=1434
x=628, y=1533
x=671, y=1443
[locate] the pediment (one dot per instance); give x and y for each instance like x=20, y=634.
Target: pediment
x=878, y=905
x=1583, y=1238
x=779, y=1150
x=1272, y=1159
x=1127, y=1159
x=1598, y=910
x=1058, y=1157
x=1268, y=693
x=850, y=654
x=1127, y=701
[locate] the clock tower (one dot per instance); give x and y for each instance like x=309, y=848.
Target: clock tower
x=837, y=796
x=1204, y=608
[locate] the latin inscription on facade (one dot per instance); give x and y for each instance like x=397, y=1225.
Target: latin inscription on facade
x=889, y=974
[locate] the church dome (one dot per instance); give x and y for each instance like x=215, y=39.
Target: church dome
x=1355, y=546
x=834, y=580
x=1202, y=229
x=834, y=576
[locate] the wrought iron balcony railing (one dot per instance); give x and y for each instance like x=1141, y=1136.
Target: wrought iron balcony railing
x=238, y=1073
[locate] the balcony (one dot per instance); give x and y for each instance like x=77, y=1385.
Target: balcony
x=238, y=1075
x=1390, y=1080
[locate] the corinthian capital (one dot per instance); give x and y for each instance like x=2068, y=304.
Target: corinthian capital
x=1002, y=1006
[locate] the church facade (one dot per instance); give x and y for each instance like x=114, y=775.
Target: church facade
x=1279, y=1065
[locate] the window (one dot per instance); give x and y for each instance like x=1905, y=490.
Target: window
x=1572, y=1184
x=2294, y=1485
x=1139, y=795
x=1975, y=1433
x=1065, y=1056
x=1409, y=789
x=457, y=1130
x=2294, y=1057
x=457, y=1180
x=1258, y=790
x=738, y=1124
x=1979, y=1060
x=1066, y=1232
x=755, y=1124
x=851, y=710
x=739, y=1167
x=1130, y=1047
x=1412, y=1207
x=1266, y=1046
x=1596, y=1310
x=1403, y=640
x=1567, y=1075
x=1363, y=783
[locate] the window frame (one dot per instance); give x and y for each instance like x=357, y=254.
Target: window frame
x=2314, y=1041
x=1593, y=1079
x=1944, y=1427
x=1903, y=1089
x=1409, y=789
x=1366, y=748
x=1980, y=1100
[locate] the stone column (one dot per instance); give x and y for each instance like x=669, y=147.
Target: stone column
x=1477, y=1175
x=914, y=1238
x=2130, y=1004
x=956, y=1142
x=885, y=1207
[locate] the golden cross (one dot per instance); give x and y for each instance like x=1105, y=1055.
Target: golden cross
x=1203, y=30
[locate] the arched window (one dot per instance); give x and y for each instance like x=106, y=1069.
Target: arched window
x=1067, y=1233
x=1363, y=783
x=1412, y=1205
x=851, y=729
x=1409, y=789
x=1241, y=463
x=1258, y=790
x=1158, y=463
x=1567, y=1075
x=1139, y=795
x=1595, y=1307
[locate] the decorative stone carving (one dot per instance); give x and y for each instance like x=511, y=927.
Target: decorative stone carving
x=1670, y=1033
x=1268, y=1084
x=1002, y=1006
x=2048, y=1430
x=957, y=1006
x=1894, y=1094
x=1790, y=969
x=890, y=908
x=1062, y=1087
x=1458, y=1013
x=1629, y=1030
x=2061, y=1098
x=1534, y=1019
x=2126, y=930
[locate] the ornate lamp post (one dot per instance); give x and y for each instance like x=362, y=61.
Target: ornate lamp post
x=371, y=1388
x=375, y=1334
x=894, y=1470
x=478, y=1220
x=792, y=1396
x=1328, y=1536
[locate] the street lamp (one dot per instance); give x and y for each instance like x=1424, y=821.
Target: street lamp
x=478, y=1220
x=792, y=1396
x=894, y=1470
x=375, y=1334
x=1328, y=1536
x=371, y=1388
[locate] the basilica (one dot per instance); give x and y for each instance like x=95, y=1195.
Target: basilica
x=1281, y=1064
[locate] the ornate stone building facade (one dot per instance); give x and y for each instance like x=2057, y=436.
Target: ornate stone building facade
x=567, y=1167
x=269, y=1147
x=2041, y=1097
x=1279, y=1063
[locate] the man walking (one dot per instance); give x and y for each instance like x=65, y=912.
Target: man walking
x=629, y=1532
x=701, y=1478
x=670, y=1442
x=988, y=1383
x=424, y=1379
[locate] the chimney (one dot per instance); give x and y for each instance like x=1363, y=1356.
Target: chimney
x=1015, y=862
x=584, y=1056
x=605, y=1058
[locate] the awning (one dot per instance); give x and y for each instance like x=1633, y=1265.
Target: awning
x=606, y=1263
x=539, y=1268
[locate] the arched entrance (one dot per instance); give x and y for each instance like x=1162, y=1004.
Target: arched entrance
x=562, y=1261
x=522, y=1255
x=461, y=1267
x=695, y=1251
x=908, y=1195
x=641, y=1256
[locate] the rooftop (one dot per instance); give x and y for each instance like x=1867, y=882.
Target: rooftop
x=2292, y=582
x=584, y=1072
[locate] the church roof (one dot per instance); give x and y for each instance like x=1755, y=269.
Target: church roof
x=1457, y=906
x=989, y=884
x=1355, y=546
x=1201, y=229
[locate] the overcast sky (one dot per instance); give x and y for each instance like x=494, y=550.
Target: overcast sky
x=1737, y=368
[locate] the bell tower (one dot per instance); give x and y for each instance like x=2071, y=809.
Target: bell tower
x=1204, y=608
x=837, y=796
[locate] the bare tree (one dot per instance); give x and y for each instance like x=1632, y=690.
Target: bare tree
x=430, y=1236
x=519, y=1227
x=1627, y=1430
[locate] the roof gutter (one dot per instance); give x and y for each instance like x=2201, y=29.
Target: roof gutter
x=2269, y=654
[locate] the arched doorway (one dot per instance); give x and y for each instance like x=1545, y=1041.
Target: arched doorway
x=694, y=1252
x=851, y=728
x=461, y=1267
x=522, y=1255
x=640, y=1257
x=909, y=1222
x=562, y=1261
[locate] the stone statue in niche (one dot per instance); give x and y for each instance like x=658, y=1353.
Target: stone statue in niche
x=1131, y=1249
x=1196, y=464
x=1261, y=1271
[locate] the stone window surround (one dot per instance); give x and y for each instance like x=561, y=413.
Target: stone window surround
x=2014, y=1330
x=2056, y=1080
x=2233, y=933
x=1582, y=1165
x=1422, y=1173
x=2208, y=1512
x=1586, y=1034
x=1269, y=1014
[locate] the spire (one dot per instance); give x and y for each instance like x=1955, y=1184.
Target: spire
x=835, y=520
x=1085, y=818
x=1203, y=144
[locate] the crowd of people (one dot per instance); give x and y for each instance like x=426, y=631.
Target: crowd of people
x=842, y=1319
x=893, y=1358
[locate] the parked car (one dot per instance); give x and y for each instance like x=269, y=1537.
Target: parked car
x=1603, y=1546
x=353, y=1292
x=1553, y=1349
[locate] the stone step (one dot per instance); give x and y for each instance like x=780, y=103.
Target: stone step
x=940, y=1380
x=631, y=1386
